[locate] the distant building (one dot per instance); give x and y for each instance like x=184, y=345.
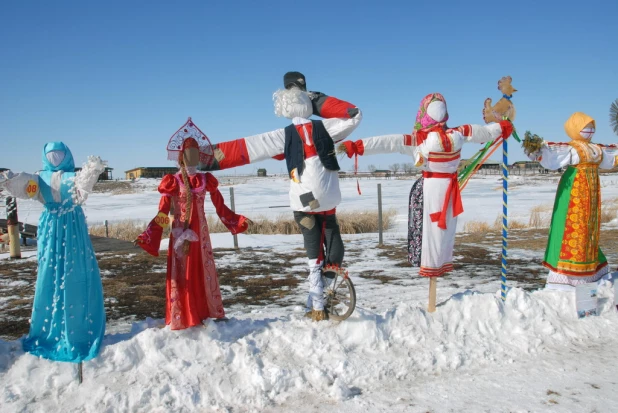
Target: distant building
x=491, y=165
x=527, y=165
x=261, y=172
x=384, y=173
x=105, y=175
x=150, y=172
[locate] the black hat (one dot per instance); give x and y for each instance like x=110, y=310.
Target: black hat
x=294, y=79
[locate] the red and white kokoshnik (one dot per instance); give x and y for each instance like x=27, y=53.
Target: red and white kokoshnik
x=190, y=130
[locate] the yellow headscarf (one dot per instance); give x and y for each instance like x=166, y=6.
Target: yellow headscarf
x=576, y=123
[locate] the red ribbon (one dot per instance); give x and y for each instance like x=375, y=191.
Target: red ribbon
x=451, y=192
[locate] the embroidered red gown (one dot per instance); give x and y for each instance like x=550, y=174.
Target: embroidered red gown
x=192, y=291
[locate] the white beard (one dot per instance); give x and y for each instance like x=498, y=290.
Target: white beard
x=292, y=103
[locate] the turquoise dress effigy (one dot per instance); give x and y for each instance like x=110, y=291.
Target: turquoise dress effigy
x=68, y=316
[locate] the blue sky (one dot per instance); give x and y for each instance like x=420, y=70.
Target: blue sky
x=117, y=78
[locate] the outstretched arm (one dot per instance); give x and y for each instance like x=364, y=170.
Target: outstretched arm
x=247, y=150
x=22, y=185
x=554, y=155
x=236, y=223
x=610, y=156
x=401, y=143
x=486, y=133
x=150, y=239
x=87, y=177
x=340, y=117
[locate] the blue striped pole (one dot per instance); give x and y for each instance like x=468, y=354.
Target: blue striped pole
x=505, y=225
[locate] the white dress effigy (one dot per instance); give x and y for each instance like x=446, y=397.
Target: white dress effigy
x=438, y=155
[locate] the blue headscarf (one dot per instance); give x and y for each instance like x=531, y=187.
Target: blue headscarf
x=67, y=164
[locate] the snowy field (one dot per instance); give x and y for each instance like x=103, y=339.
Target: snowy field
x=474, y=354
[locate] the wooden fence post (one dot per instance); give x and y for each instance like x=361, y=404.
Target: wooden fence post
x=380, y=214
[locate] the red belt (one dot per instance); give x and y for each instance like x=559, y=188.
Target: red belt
x=451, y=192
x=329, y=212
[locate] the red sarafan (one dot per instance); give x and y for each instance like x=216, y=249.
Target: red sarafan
x=192, y=287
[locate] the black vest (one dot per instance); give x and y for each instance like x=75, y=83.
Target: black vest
x=324, y=146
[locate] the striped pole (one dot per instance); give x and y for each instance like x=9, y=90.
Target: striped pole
x=505, y=225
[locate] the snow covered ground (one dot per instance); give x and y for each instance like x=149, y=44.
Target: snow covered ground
x=475, y=353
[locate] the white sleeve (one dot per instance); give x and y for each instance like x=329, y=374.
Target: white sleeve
x=18, y=186
x=265, y=145
x=484, y=133
x=387, y=144
x=610, y=157
x=87, y=177
x=339, y=128
x=555, y=155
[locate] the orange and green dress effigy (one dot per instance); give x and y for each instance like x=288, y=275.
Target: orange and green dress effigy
x=573, y=255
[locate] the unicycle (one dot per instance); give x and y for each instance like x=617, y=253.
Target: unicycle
x=339, y=293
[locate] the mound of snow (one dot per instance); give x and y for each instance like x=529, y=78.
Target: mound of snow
x=368, y=361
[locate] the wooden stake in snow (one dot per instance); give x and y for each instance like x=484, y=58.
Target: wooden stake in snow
x=433, y=281
x=80, y=376
x=12, y=225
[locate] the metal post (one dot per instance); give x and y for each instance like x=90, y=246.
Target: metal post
x=233, y=210
x=106, y=230
x=12, y=224
x=380, y=214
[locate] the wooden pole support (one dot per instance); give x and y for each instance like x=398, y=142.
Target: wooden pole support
x=12, y=224
x=433, y=281
x=380, y=239
x=80, y=374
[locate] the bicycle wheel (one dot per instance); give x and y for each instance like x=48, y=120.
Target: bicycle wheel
x=339, y=294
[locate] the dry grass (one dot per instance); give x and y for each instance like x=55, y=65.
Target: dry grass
x=127, y=230
x=114, y=187
x=355, y=222
x=481, y=227
x=609, y=210
x=540, y=217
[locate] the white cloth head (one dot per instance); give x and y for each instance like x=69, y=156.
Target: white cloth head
x=55, y=157
x=437, y=110
x=291, y=103
x=587, y=132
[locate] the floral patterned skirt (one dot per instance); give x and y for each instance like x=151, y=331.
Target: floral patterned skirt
x=415, y=223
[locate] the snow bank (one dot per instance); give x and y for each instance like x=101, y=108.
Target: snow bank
x=257, y=364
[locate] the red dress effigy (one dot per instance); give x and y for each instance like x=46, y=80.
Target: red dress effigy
x=192, y=290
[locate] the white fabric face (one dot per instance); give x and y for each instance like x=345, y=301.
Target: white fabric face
x=291, y=103
x=55, y=157
x=587, y=132
x=437, y=110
